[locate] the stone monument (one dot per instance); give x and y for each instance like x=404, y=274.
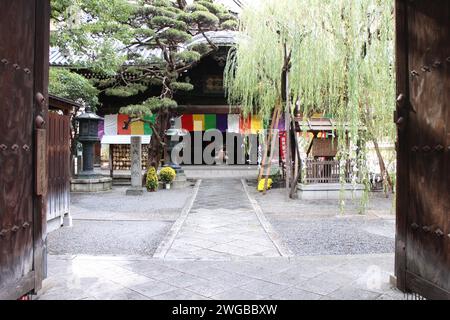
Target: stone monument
x=88, y=180
x=136, y=167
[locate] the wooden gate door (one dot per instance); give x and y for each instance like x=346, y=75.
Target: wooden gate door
x=423, y=119
x=24, y=33
x=58, y=196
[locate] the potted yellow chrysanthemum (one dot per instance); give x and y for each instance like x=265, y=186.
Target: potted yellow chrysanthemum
x=167, y=175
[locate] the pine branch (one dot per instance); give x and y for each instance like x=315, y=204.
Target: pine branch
x=192, y=64
x=212, y=44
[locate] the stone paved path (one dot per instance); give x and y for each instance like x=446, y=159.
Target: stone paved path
x=220, y=248
x=360, y=277
x=221, y=225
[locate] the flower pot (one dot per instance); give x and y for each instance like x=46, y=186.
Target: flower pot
x=167, y=186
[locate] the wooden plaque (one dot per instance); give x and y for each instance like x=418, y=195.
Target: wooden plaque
x=41, y=162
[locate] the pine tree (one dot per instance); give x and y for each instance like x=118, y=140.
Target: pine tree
x=164, y=25
x=168, y=26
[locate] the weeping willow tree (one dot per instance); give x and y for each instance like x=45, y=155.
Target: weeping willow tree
x=340, y=58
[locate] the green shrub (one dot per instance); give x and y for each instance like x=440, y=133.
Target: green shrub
x=167, y=175
x=152, y=180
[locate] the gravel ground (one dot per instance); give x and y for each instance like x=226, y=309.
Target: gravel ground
x=277, y=203
x=115, y=205
x=318, y=227
x=113, y=223
x=108, y=237
x=333, y=236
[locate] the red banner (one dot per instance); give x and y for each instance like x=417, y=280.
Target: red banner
x=283, y=145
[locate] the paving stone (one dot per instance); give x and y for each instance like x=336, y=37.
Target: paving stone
x=333, y=277
x=285, y=278
x=208, y=288
x=222, y=252
x=179, y=294
x=277, y=278
x=318, y=286
x=222, y=223
x=237, y=294
x=352, y=293
x=263, y=288
x=68, y=294
x=183, y=281
x=131, y=280
x=152, y=288
x=305, y=272
x=119, y=294
x=295, y=294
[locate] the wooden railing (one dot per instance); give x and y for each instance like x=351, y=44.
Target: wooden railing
x=325, y=171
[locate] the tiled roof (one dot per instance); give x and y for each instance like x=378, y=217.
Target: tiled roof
x=63, y=59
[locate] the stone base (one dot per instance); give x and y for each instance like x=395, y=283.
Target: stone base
x=180, y=181
x=330, y=191
x=90, y=184
x=135, y=191
x=221, y=172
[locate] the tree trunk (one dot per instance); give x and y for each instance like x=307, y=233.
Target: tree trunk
x=383, y=170
x=155, y=149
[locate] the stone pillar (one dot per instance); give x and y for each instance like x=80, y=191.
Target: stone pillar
x=136, y=167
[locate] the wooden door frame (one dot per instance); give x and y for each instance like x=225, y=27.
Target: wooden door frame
x=402, y=183
x=406, y=281
x=32, y=281
x=41, y=74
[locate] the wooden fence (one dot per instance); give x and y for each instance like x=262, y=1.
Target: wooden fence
x=325, y=171
x=58, y=165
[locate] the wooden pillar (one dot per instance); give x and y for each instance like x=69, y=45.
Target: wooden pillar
x=402, y=184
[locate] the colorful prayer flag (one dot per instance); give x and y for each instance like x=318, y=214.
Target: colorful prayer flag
x=121, y=119
x=187, y=122
x=137, y=128
x=222, y=122
x=110, y=124
x=147, y=129
x=210, y=121
x=256, y=124
x=233, y=123
x=101, y=128
x=244, y=125
x=199, y=122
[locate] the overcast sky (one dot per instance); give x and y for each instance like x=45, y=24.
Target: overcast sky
x=229, y=4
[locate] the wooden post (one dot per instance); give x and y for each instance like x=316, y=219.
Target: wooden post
x=111, y=161
x=298, y=164
x=287, y=112
x=402, y=185
x=287, y=122
x=268, y=140
x=272, y=146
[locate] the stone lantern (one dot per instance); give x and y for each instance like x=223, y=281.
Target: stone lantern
x=171, y=134
x=88, y=136
x=87, y=180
